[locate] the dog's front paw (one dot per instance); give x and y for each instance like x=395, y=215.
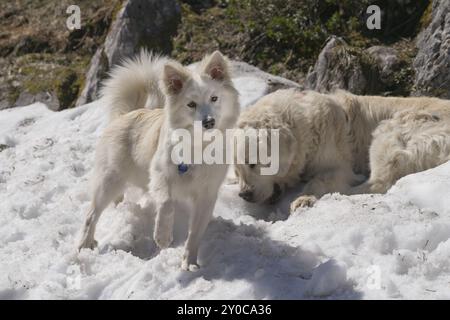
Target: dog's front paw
x=302, y=202
x=87, y=244
x=189, y=262
x=163, y=239
x=186, y=266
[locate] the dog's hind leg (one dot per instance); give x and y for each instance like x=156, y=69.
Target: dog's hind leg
x=392, y=156
x=385, y=172
x=362, y=188
x=106, y=190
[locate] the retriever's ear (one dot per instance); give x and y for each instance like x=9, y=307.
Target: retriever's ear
x=288, y=150
x=282, y=147
x=216, y=66
x=174, y=78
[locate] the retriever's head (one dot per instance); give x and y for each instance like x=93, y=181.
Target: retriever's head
x=264, y=181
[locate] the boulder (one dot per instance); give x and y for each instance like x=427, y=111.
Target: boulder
x=273, y=83
x=50, y=99
x=340, y=66
x=97, y=71
x=432, y=64
x=139, y=24
x=5, y=104
x=395, y=69
x=387, y=60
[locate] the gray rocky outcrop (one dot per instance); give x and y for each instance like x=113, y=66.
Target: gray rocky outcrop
x=432, y=64
x=340, y=66
x=140, y=23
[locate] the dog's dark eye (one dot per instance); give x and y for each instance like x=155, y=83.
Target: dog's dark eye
x=252, y=166
x=213, y=99
x=192, y=104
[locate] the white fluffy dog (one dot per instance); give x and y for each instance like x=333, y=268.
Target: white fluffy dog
x=136, y=147
x=325, y=139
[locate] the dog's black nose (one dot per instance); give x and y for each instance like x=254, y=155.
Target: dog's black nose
x=247, y=195
x=208, y=123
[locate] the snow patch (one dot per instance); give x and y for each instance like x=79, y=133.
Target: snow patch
x=389, y=246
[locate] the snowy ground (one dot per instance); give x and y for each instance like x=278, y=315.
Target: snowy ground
x=390, y=246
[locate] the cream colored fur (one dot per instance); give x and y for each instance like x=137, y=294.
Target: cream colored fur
x=412, y=141
x=136, y=147
x=314, y=144
x=326, y=139
x=366, y=112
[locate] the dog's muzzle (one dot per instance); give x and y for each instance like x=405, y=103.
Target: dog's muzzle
x=208, y=123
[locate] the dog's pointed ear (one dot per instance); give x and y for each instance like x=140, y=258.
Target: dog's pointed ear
x=216, y=66
x=174, y=78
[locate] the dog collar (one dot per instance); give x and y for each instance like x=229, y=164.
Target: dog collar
x=182, y=168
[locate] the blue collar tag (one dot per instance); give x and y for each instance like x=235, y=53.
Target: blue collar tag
x=182, y=168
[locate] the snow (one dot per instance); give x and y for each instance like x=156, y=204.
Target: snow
x=393, y=246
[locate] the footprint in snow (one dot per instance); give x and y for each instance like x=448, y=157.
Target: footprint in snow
x=26, y=122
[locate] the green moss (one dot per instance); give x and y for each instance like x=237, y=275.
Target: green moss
x=48, y=73
x=60, y=67
x=427, y=16
x=12, y=94
x=66, y=87
x=334, y=24
x=404, y=77
x=117, y=7
x=281, y=36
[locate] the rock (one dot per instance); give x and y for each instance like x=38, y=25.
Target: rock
x=24, y=99
x=387, y=60
x=274, y=83
x=246, y=74
x=140, y=23
x=395, y=69
x=49, y=99
x=97, y=71
x=148, y=23
x=432, y=63
x=340, y=66
x=4, y=104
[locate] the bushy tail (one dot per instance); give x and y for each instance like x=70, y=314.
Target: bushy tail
x=134, y=84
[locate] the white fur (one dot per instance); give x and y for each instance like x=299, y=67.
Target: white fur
x=136, y=147
x=326, y=139
x=135, y=84
x=412, y=141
